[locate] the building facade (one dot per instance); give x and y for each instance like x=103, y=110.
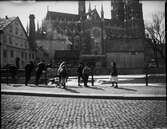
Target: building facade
x=14, y=43
x=101, y=41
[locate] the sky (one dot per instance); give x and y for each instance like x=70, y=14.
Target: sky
x=23, y=9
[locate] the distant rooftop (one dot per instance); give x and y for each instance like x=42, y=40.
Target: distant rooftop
x=6, y=21
x=52, y=15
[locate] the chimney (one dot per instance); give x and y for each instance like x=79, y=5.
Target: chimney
x=32, y=31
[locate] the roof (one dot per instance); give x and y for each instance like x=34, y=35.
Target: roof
x=67, y=54
x=53, y=15
x=4, y=22
x=93, y=12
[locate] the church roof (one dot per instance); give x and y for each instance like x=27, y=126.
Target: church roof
x=53, y=15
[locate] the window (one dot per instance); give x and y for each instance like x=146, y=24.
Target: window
x=22, y=54
x=10, y=40
x=11, y=53
x=4, y=39
x=25, y=43
x=26, y=56
x=10, y=29
x=17, y=30
x=4, y=53
x=32, y=56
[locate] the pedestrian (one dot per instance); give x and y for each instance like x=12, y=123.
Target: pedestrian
x=58, y=71
x=13, y=72
x=49, y=70
x=39, y=70
x=79, y=73
x=146, y=73
x=28, y=71
x=63, y=75
x=114, y=75
x=85, y=74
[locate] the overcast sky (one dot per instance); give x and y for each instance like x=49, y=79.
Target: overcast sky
x=24, y=8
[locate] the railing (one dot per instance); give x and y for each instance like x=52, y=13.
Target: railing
x=6, y=75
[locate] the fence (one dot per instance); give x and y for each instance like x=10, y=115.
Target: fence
x=6, y=76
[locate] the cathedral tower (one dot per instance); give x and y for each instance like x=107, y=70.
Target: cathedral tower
x=117, y=12
x=32, y=31
x=81, y=9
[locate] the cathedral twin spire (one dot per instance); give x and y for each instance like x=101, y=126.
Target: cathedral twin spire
x=102, y=12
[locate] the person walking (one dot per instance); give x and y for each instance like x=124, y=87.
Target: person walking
x=13, y=72
x=63, y=75
x=114, y=75
x=28, y=71
x=79, y=73
x=58, y=71
x=85, y=75
x=146, y=69
x=40, y=68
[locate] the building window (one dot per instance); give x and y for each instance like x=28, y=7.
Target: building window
x=22, y=54
x=11, y=53
x=10, y=29
x=4, y=53
x=4, y=39
x=29, y=56
x=10, y=40
x=32, y=56
x=26, y=56
x=21, y=45
x=25, y=43
x=17, y=30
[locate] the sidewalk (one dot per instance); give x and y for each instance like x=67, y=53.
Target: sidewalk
x=130, y=87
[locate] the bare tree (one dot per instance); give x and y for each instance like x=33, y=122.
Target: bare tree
x=156, y=31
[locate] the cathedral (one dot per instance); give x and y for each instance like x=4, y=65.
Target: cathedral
x=98, y=40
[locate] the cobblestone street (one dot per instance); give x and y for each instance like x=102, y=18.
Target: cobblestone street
x=30, y=112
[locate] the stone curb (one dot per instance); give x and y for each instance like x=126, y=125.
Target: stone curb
x=92, y=96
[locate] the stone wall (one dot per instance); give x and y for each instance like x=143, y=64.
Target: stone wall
x=124, y=44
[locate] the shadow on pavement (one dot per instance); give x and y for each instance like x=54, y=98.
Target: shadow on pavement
x=96, y=88
x=43, y=86
x=17, y=85
x=71, y=90
x=126, y=89
x=130, y=80
x=75, y=86
x=156, y=86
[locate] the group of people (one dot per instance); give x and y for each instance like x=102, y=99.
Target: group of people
x=83, y=72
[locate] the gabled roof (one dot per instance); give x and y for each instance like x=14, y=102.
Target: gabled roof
x=93, y=12
x=4, y=22
x=53, y=15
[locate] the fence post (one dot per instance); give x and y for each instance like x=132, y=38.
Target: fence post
x=45, y=74
x=92, y=78
x=7, y=76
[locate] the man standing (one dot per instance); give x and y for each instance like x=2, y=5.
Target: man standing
x=85, y=74
x=79, y=73
x=13, y=72
x=114, y=75
x=40, y=68
x=28, y=71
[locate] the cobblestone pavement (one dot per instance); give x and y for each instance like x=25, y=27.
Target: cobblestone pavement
x=30, y=112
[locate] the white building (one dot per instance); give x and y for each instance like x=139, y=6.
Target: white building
x=14, y=43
